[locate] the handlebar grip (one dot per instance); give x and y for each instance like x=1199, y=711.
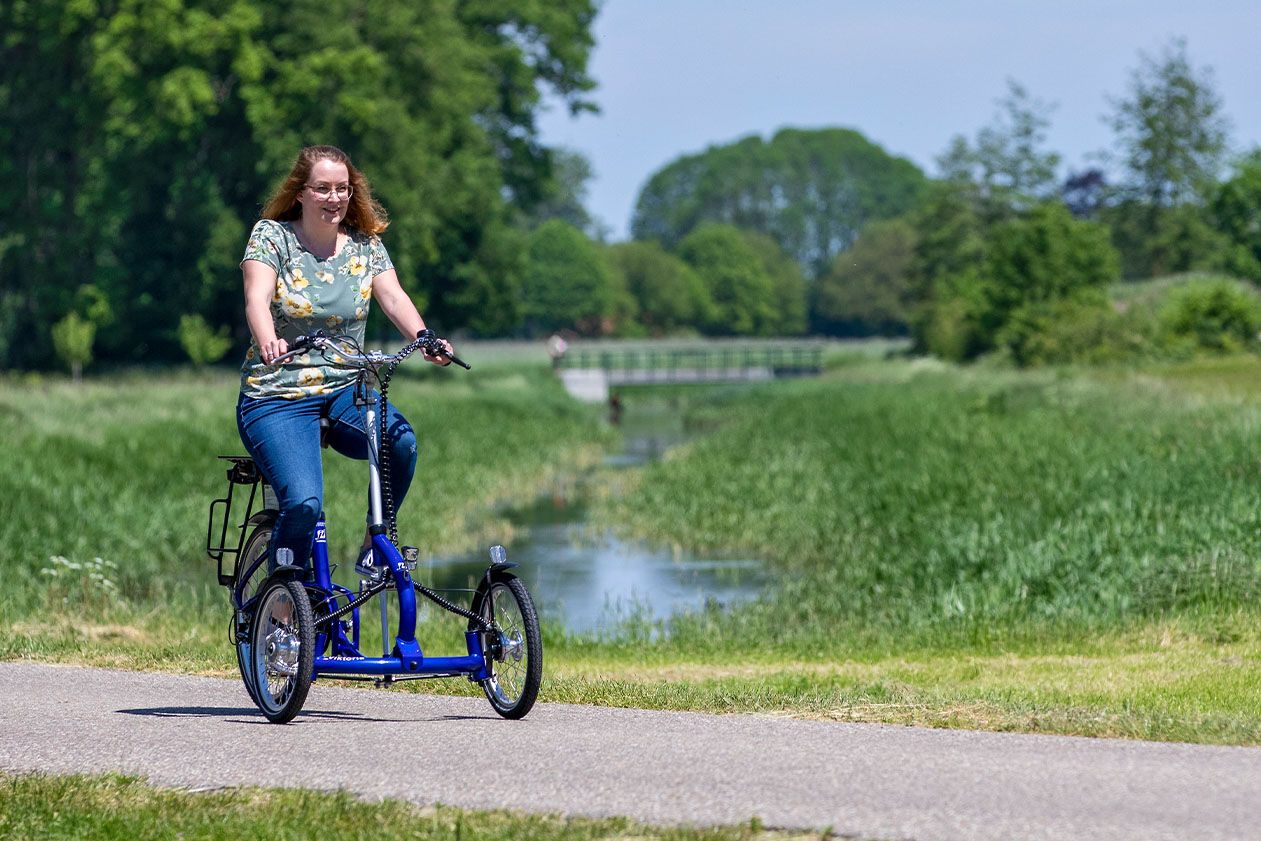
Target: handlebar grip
x=433, y=345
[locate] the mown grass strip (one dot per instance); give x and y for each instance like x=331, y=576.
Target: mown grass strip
x=37, y=807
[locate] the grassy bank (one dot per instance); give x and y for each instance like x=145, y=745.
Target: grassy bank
x=1064, y=551
x=910, y=505
x=113, y=807
x=106, y=485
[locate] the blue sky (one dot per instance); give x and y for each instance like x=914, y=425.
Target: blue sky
x=675, y=77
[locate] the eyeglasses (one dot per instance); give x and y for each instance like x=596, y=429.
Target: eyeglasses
x=324, y=192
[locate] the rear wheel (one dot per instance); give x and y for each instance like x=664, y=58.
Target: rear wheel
x=514, y=657
x=255, y=549
x=282, y=657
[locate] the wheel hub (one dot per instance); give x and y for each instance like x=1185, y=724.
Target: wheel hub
x=282, y=652
x=512, y=647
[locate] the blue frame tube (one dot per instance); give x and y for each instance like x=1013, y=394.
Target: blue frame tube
x=408, y=659
x=470, y=664
x=384, y=552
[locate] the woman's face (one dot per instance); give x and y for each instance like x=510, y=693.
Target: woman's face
x=326, y=196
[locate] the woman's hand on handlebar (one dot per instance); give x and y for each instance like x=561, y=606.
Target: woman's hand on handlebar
x=274, y=348
x=440, y=358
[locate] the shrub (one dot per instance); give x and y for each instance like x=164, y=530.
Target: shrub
x=202, y=344
x=1217, y=314
x=1084, y=328
x=72, y=338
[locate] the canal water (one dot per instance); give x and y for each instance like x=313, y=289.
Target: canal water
x=588, y=578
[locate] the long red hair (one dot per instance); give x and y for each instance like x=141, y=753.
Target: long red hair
x=364, y=213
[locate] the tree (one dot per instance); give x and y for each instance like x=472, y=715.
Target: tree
x=202, y=344
x=139, y=139
x=1172, y=138
x=1236, y=210
x=568, y=285
x=736, y=278
x=72, y=338
x=1025, y=263
x=1042, y=259
x=950, y=241
x=1007, y=162
x=670, y=297
x=788, y=285
x=809, y=190
x=565, y=194
x=867, y=292
x=1170, y=130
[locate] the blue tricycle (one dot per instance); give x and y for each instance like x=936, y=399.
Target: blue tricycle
x=291, y=625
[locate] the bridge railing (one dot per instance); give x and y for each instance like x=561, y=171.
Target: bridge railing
x=789, y=359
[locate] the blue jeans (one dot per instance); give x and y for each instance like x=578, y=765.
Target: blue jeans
x=283, y=437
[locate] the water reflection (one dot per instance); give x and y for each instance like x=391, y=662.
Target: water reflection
x=589, y=578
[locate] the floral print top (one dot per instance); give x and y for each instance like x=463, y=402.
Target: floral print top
x=311, y=294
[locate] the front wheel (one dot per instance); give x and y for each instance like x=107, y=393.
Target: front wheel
x=282, y=655
x=515, y=658
x=253, y=564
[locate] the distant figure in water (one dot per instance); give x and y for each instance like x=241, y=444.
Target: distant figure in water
x=615, y=408
x=556, y=347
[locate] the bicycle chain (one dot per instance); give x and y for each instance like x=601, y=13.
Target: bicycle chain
x=383, y=455
x=433, y=596
x=428, y=340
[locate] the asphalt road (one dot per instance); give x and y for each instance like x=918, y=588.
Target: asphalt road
x=660, y=767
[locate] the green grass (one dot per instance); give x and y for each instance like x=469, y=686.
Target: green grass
x=1058, y=551
x=919, y=505
x=109, y=807
x=123, y=471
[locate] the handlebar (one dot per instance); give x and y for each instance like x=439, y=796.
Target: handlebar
x=426, y=341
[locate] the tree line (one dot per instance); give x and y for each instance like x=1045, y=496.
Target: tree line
x=127, y=201
x=140, y=138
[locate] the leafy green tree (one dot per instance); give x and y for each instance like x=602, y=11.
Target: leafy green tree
x=1172, y=138
x=950, y=240
x=568, y=284
x=670, y=297
x=1237, y=212
x=1170, y=129
x=48, y=134
x=72, y=338
x=1008, y=161
x=565, y=194
x=735, y=275
x=203, y=344
x=138, y=140
x=788, y=286
x=868, y=292
x=1043, y=256
x=809, y=190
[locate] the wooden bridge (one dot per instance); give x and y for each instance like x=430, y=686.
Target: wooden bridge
x=590, y=372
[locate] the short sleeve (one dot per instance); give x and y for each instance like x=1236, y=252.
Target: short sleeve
x=378, y=258
x=263, y=244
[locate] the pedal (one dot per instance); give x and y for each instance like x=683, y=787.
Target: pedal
x=366, y=568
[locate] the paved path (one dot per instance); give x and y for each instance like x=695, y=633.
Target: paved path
x=660, y=767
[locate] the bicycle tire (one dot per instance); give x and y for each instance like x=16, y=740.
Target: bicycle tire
x=283, y=657
x=255, y=545
x=517, y=668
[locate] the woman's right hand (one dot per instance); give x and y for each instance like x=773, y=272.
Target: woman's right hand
x=272, y=349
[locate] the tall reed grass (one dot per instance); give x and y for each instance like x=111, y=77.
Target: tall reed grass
x=105, y=486
x=907, y=503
